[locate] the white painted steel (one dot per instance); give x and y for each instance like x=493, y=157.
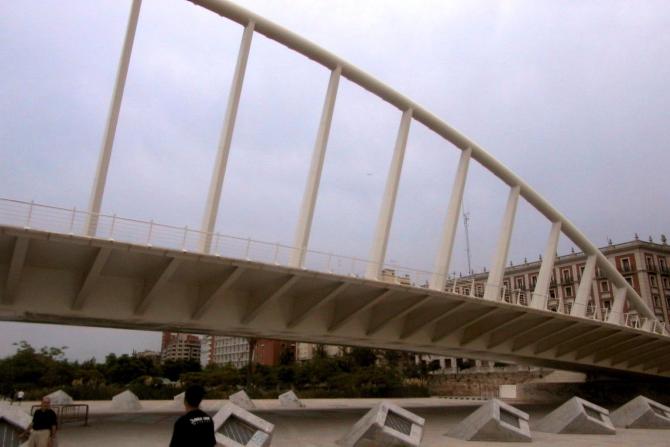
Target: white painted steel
x=439, y=279
x=100, y=178
x=494, y=282
x=312, y=188
x=584, y=290
x=541, y=292
x=616, y=312
x=214, y=195
x=380, y=241
x=420, y=114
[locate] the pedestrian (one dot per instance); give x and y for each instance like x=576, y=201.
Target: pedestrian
x=19, y=396
x=195, y=428
x=43, y=427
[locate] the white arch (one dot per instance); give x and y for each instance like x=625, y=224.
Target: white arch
x=420, y=114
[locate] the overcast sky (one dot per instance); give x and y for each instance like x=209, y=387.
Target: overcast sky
x=572, y=96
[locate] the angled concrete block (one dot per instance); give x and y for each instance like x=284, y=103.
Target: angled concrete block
x=578, y=416
x=290, y=400
x=494, y=421
x=236, y=427
x=641, y=413
x=126, y=401
x=386, y=424
x=13, y=422
x=179, y=400
x=60, y=397
x=241, y=399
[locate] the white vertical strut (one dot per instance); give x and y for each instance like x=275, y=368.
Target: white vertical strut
x=498, y=266
x=616, y=312
x=100, y=179
x=214, y=195
x=378, y=251
x=582, y=299
x=443, y=259
x=312, y=188
x=539, y=300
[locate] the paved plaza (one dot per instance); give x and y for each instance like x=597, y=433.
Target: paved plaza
x=321, y=423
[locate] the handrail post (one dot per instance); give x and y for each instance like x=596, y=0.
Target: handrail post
x=74, y=211
x=30, y=213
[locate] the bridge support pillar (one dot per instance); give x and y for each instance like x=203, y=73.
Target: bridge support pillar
x=100, y=179
x=582, y=299
x=498, y=267
x=616, y=312
x=214, y=195
x=312, y=188
x=539, y=299
x=439, y=278
x=380, y=242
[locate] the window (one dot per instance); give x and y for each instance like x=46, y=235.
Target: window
x=566, y=275
x=656, y=299
x=466, y=291
x=568, y=306
x=533, y=281
x=652, y=281
x=519, y=283
x=604, y=286
x=625, y=265
x=568, y=292
x=552, y=293
x=666, y=283
x=662, y=264
x=629, y=280
x=581, y=271
x=478, y=290
x=607, y=304
x=650, y=262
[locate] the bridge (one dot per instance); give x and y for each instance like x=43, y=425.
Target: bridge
x=84, y=267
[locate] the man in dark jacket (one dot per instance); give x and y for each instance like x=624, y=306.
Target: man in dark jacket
x=195, y=428
x=43, y=427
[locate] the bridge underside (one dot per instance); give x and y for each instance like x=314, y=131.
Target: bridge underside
x=63, y=279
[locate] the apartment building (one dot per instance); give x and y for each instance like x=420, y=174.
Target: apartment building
x=180, y=347
x=643, y=264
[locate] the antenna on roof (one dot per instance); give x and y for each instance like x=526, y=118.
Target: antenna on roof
x=466, y=220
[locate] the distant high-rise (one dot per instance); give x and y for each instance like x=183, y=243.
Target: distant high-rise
x=180, y=347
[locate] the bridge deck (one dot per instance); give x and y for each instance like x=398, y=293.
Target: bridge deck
x=68, y=279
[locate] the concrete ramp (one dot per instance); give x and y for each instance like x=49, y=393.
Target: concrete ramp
x=60, y=397
x=385, y=425
x=494, y=421
x=236, y=427
x=578, y=416
x=641, y=412
x=241, y=399
x=126, y=401
x=290, y=400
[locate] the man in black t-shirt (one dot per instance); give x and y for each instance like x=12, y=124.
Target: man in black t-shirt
x=43, y=426
x=195, y=428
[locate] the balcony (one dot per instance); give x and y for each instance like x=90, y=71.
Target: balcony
x=626, y=269
x=651, y=268
x=664, y=270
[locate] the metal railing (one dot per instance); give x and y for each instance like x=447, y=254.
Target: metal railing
x=68, y=414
